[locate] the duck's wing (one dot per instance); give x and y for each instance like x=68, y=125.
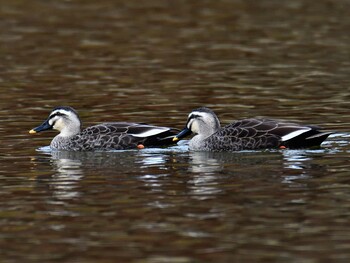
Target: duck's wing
x=268, y=133
x=123, y=135
x=293, y=135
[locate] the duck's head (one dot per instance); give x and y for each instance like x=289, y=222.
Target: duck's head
x=202, y=121
x=64, y=119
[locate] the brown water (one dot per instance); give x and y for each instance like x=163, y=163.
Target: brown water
x=154, y=61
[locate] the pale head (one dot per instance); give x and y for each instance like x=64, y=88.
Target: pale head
x=201, y=121
x=63, y=119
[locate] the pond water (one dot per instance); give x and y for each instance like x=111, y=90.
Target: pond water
x=154, y=61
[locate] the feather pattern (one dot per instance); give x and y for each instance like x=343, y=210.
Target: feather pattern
x=248, y=134
x=104, y=136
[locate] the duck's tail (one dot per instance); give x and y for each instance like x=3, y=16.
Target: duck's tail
x=307, y=139
x=162, y=139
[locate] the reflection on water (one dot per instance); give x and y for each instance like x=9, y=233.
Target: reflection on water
x=144, y=195
x=204, y=162
x=207, y=168
x=69, y=167
x=65, y=181
x=296, y=160
x=204, y=185
x=67, y=173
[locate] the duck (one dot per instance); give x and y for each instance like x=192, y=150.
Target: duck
x=104, y=136
x=247, y=134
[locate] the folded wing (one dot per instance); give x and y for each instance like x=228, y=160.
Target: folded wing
x=123, y=135
x=267, y=133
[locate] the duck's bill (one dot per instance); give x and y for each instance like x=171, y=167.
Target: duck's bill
x=43, y=127
x=182, y=134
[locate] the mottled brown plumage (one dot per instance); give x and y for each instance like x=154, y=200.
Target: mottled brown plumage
x=104, y=136
x=247, y=134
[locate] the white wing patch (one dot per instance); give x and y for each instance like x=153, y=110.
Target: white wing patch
x=150, y=132
x=294, y=134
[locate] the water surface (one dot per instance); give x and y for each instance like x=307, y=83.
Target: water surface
x=153, y=62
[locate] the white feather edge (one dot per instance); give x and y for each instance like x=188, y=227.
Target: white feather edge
x=294, y=134
x=150, y=132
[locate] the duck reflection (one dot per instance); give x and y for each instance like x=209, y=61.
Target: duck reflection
x=93, y=159
x=298, y=159
x=301, y=165
x=206, y=172
x=65, y=181
x=289, y=166
x=147, y=165
x=215, y=162
x=206, y=168
x=205, y=162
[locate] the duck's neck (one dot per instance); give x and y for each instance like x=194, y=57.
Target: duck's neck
x=211, y=126
x=208, y=131
x=198, y=141
x=69, y=132
x=61, y=140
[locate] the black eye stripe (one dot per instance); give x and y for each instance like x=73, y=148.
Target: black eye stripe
x=57, y=114
x=194, y=116
x=191, y=117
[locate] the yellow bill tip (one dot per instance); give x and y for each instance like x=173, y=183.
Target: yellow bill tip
x=32, y=131
x=175, y=139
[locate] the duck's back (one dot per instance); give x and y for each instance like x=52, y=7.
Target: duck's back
x=253, y=134
x=120, y=136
